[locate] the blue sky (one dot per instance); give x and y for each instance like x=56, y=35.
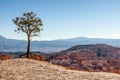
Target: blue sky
x=64, y=18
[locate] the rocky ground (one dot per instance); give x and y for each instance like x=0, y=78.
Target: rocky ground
x=28, y=69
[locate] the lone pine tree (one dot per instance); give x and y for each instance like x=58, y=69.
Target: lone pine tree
x=29, y=24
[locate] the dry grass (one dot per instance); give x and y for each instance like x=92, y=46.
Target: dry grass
x=27, y=69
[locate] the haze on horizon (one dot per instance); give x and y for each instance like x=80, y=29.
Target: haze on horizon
x=64, y=19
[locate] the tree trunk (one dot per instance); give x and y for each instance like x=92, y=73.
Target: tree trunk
x=28, y=47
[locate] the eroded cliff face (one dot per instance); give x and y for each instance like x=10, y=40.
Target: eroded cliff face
x=99, y=57
x=101, y=50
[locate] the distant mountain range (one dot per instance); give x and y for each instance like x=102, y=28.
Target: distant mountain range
x=54, y=45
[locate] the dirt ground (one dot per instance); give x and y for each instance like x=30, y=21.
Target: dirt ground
x=28, y=69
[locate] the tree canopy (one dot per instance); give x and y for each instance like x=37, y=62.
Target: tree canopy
x=29, y=23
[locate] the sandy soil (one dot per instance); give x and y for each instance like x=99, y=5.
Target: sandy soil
x=27, y=69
